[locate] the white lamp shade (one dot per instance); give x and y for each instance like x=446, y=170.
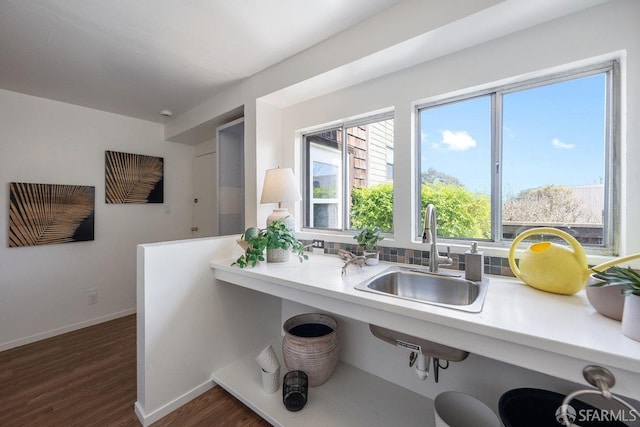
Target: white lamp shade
x=280, y=185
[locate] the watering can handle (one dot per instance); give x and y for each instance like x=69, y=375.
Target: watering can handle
x=578, y=252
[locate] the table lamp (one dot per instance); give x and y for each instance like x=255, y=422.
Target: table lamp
x=280, y=185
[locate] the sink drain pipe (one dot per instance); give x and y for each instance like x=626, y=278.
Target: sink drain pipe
x=421, y=363
x=417, y=358
x=422, y=366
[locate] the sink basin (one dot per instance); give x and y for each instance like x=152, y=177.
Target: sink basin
x=415, y=284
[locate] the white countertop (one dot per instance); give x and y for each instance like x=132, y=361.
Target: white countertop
x=554, y=334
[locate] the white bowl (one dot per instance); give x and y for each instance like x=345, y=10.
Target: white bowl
x=607, y=300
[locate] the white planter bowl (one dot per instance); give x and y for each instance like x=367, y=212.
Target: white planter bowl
x=607, y=300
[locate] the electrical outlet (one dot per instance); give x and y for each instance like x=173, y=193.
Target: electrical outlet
x=93, y=296
x=317, y=246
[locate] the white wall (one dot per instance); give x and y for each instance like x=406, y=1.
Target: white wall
x=606, y=31
x=190, y=324
x=43, y=289
x=268, y=156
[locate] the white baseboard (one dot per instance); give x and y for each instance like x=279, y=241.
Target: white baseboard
x=152, y=417
x=63, y=330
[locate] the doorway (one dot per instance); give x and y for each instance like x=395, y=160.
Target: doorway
x=230, y=154
x=219, y=184
x=205, y=201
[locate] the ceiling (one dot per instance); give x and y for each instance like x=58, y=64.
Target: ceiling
x=139, y=57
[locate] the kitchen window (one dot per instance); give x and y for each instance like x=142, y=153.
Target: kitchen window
x=532, y=154
x=349, y=175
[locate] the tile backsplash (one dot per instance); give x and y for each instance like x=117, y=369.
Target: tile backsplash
x=492, y=265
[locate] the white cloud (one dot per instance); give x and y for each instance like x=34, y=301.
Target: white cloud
x=559, y=144
x=458, y=140
x=508, y=132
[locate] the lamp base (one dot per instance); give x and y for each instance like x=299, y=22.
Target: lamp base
x=284, y=215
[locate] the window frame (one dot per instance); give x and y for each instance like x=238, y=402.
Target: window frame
x=342, y=126
x=612, y=189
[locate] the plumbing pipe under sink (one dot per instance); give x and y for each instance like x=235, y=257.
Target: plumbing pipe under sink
x=422, y=366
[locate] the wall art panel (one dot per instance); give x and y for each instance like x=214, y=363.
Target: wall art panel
x=41, y=214
x=133, y=178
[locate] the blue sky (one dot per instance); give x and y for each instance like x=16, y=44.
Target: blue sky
x=552, y=134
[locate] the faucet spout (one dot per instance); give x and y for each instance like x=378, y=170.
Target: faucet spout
x=429, y=217
x=430, y=236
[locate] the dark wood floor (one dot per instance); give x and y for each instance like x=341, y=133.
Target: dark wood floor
x=88, y=378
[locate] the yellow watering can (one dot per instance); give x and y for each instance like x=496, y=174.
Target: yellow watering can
x=555, y=268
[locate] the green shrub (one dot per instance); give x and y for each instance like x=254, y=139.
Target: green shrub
x=372, y=207
x=460, y=212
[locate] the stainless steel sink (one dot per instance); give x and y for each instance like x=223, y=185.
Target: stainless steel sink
x=416, y=284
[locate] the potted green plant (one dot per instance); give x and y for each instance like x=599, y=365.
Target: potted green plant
x=278, y=240
x=368, y=238
x=629, y=281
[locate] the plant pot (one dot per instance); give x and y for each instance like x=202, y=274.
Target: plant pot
x=631, y=317
x=243, y=244
x=278, y=255
x=607, y=300
x=373, y=257
x=311, y=345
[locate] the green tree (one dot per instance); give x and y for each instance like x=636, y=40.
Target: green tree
x=324, y=192
x=432, y=176
x=372, y=207
x=460, y=212
x=548, y=204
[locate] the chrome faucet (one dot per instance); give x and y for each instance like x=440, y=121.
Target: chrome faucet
x=430, y=236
